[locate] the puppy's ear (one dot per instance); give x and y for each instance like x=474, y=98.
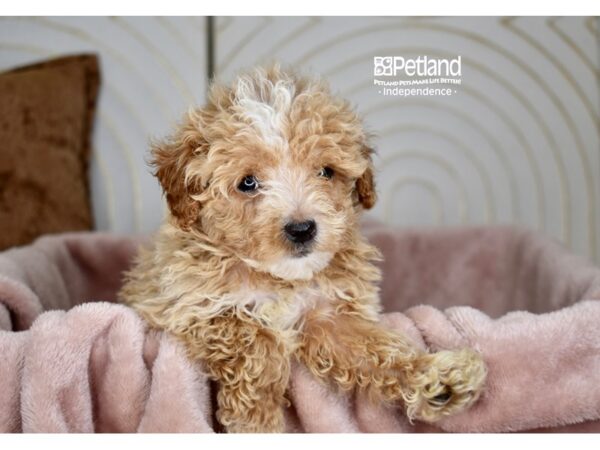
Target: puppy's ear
x=365, y=185
x=170, y=158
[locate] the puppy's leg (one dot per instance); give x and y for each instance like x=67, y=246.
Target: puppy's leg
x=358, y=353
x=442, y=383
x=252, y=367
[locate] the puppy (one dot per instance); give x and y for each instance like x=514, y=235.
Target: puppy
x=261, y=260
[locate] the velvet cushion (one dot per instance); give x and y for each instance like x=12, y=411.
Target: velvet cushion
x=46, y=118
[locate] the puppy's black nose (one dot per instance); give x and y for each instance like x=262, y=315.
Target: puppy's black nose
x=301, y=232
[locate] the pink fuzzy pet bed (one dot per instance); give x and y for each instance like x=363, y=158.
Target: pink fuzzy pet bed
x=531, y=308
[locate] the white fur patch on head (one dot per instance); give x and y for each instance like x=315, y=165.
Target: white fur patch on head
x=294, y=268
x=265, y=104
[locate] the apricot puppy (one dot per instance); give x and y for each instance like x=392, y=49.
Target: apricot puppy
x=261, y=259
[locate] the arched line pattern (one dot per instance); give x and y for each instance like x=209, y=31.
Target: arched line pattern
x=311, y=23
x=431, y=188
x=505, y=118
x=553, y=25
x=190, y=48
x=223, y=23
x=535, y=170
x=73, y=31
x=591, y=24
x=491, y=140
x=524, y=144
x=221, y=65
x=187, y=46
x=185, y=91
x=490, y=207
x=102, y=167
x=463, y=204
x=583, y=158
x=564, y=186
x=509, y=24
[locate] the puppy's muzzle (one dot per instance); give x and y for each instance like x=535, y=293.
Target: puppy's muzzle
x=301, y=233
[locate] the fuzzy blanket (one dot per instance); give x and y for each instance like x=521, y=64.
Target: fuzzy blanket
x=531, y=308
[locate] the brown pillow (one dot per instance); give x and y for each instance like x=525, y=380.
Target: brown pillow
x=46, y=115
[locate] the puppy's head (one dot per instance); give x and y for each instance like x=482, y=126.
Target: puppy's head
x=274, y=168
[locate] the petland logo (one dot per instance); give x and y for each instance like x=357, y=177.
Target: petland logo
x=399, y=76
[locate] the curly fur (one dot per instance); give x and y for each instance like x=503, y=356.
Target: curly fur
x=222, y=278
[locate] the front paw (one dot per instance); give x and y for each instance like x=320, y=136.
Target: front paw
x=444, y=383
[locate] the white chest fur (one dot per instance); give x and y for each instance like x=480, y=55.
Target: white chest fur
x=278, y=310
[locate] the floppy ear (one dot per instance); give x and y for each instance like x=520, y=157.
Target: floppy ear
x=170, y=159
x=365, y=185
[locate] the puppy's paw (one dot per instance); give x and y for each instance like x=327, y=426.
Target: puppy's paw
x=444, y=383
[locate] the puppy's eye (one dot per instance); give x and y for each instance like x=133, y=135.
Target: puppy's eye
x=248, y=184
x=326, y=172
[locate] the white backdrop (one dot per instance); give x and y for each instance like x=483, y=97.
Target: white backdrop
x=519, y=143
